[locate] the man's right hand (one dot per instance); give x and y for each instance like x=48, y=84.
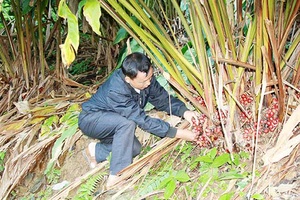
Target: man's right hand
x=186, y=134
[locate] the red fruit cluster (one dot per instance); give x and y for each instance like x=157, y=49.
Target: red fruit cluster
x=269, y=121
x=246, y=99
x=244, y=118
x=200, y=100
x=209, y=136
x=224, y=115
x=198, y=128
x=248, y=133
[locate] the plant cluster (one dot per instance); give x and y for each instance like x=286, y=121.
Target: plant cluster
x=209, y=135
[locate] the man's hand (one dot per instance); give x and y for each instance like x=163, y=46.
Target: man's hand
x=190, y=115
x=186, y=134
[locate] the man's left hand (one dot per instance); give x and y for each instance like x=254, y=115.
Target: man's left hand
x=190, y=115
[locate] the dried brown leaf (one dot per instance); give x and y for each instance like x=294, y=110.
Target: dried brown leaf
x=20, y=163
x=13, y=126
x=22, y=106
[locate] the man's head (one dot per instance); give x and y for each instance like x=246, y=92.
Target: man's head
x=137, y=70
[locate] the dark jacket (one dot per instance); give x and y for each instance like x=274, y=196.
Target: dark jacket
x=116, y=95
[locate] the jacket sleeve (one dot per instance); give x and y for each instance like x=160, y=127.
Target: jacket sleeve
x=124, y=104
x=161, y=100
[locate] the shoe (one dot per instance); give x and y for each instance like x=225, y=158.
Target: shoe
x=89, y=154
x=112, y=181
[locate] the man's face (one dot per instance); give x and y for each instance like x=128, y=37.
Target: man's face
x=142, y=80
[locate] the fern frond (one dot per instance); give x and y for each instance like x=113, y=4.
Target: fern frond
x=152, y=184
x=86, y=190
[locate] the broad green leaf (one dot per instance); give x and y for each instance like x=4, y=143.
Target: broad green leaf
x=121, y=35
x=70, y=47
x=169, y=191
x=73, y=120
x=182, y=176
x=92, y=13
x=67, y=53
x=165, y=182
x=221, y=160
x=56, y=149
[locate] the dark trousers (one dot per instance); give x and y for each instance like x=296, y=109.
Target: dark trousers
x=116, y=135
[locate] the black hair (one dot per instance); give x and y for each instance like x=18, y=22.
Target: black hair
x=135, y=62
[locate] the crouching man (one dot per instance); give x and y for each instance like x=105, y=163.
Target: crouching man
x=112, y=114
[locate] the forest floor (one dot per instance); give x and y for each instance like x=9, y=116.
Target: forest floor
x=75, y=165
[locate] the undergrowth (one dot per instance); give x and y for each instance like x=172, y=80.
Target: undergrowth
x=190, y=172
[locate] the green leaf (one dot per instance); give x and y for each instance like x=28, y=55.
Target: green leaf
x=212, y=153
x=44, y=130
x=206, y=159
x=71, y=116
x=221, y=160
x=171, y=186
x=70, y=47
x=165, y=182
x=56, y=149
x=46, y=127
x=92, y=13
x=243, y=183
x=121, y=35
x=74, y=107
x=80, y=6
x=226, y=196
x=231, y=175
x=257, y=196
x=204, y=178
x=27, y=6
x=67, y=53
x=244, y=154
x=182, y=176
x=236, y=159
x=51, y=120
